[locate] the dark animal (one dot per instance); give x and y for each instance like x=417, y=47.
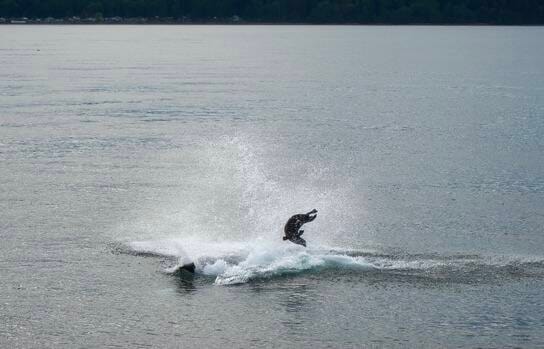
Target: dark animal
x=190, y=267
x=292, y=232
x=185, y=271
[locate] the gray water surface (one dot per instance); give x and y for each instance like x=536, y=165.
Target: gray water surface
x=127, y=150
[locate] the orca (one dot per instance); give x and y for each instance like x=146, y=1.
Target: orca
x=185, y=270
x=190, y=267
x=292, y=227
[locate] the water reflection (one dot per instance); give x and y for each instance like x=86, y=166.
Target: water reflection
x=297, y=303
x=185, y=282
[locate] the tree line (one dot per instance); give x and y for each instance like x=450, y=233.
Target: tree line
x=290, y=11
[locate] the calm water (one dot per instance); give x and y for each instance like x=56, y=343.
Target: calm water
x=128, y=150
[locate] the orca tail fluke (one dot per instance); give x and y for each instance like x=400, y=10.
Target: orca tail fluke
x=298, y=240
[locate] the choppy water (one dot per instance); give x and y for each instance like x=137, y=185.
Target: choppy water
x=126, y=151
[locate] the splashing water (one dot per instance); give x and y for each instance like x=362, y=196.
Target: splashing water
x=228, y=219
x=237, y=190
x=241, y=262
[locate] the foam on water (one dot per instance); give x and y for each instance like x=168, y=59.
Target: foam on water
x=241, y=262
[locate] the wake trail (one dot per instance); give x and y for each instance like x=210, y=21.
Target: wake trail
x=242, y=262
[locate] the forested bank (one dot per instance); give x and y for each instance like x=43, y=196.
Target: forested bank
x=287, y=11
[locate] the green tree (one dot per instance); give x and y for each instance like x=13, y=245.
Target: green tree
x=325, y=12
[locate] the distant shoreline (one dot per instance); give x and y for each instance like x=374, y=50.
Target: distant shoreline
x=224, y=21
x=275, y=12
x=274, y=24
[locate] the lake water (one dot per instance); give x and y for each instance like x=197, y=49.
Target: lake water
x=127, y=150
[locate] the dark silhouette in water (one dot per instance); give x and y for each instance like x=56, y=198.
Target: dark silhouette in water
x=182, y=270
x=190, y=267
x=292, y=232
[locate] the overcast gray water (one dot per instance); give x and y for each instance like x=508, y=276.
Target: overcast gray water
x=127, y=150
